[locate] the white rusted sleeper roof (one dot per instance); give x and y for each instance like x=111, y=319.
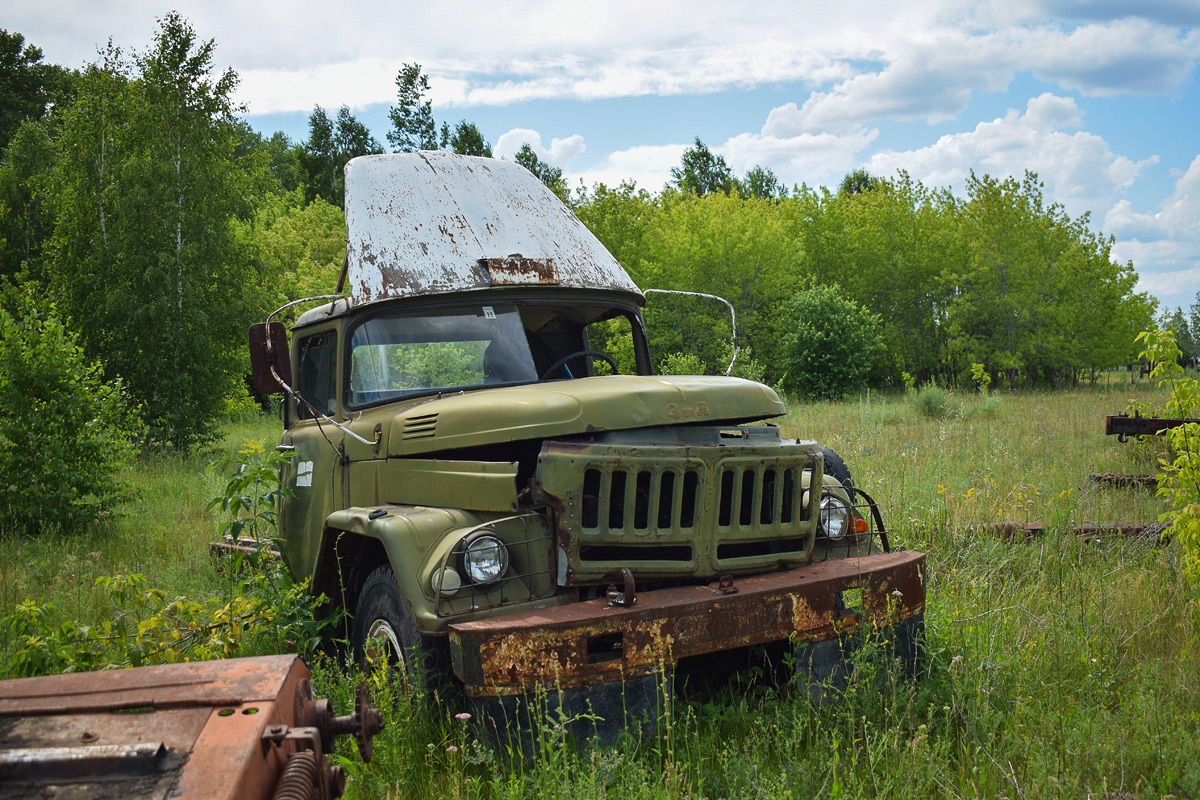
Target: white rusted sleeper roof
x=434, y=222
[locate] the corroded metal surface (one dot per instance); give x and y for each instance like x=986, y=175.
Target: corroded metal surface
x=216, y=729
x=1123, y=426
x=432, y=222
x=593, y=642
x=1124, y=481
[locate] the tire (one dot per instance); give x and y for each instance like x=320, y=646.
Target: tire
x=384, y=629
x=836, y=468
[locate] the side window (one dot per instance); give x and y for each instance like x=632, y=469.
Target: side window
x=317, y=382
x=613, y=337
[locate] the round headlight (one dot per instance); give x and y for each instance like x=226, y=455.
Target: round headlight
x=484, y=559
x=835, y=517
x=446, y=581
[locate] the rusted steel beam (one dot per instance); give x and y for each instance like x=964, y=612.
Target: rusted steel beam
x=1009, y=530
x=247, y=546
x=594, y=642
x=1123, y=425
x=215, y=729
x=1086, y=532
x=1150, y=530
x=1115, y=479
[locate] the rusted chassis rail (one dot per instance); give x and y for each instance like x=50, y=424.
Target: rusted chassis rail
x=596, y=642
x=1123, y=426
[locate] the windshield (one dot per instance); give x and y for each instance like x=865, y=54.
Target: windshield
x=396, y=355
x=451, y=348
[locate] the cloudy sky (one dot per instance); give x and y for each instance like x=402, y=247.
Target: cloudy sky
x=1099, y=97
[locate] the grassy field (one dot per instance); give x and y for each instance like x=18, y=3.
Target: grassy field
x=1056, y=668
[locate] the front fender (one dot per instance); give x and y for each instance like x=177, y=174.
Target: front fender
x=407, y=535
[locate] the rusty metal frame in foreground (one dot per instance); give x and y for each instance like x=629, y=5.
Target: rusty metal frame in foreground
x=593, y=642
x=237, y=729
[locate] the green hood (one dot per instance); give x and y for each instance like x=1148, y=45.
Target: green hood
x=563, y=408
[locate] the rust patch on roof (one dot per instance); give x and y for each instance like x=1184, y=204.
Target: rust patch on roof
x=516, y=271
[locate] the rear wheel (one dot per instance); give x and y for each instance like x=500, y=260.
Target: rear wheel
x=384, y=632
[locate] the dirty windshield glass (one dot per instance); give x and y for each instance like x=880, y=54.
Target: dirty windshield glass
x=415, y=353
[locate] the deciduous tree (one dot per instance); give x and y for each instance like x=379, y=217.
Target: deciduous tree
x=145, y=257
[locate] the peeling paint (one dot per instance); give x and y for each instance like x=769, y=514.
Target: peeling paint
x=433, y=222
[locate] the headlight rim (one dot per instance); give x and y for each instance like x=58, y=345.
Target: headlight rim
x=846, y=529
x=473, y=539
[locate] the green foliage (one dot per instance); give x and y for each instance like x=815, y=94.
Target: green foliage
x=330, y=145
x=999, y=279
x=1185, y=335
x=681, y=364
x=65, y=432
x=146, y=263
x=746, y=365
x=28, y=86
x=1163, y=354
x=932, y=401
x=249, y=506
x=546, y=173
x=298, y=248
x=252, y=493
x=413, y=127
x=467, y=140
x=762, y=183
x=702, y=172
x=829, y=345
x=26, y=215
x=981, y=378
x=1179, y=473
x=147, y=628
x=858, y=182
x=737, y=248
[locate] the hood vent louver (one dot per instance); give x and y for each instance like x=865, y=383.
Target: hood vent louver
x=422, y=427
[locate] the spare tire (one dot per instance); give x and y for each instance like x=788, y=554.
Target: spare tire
x=836, y=468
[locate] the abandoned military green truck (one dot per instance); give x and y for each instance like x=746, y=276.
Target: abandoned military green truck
x=476, y=480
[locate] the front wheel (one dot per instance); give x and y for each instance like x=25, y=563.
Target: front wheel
x=384, y=632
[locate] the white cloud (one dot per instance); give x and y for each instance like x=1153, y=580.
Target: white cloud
x=356, y=85
x=867, y=60
x=1164, y=246
x=1125, y=56
x=648, y=166
x=1079, y=169
x=559, y=154
x=811, y=158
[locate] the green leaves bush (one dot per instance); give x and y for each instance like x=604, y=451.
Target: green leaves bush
x=830, y=344
x=1179, y=476
x=65, y=432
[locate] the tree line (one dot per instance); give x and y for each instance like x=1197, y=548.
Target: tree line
x=928, y=283
x=138, y=206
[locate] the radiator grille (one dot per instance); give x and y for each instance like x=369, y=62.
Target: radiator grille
x=692, y=511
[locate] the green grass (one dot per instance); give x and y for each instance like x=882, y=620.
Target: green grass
x=1055, y=668
x=163, y=534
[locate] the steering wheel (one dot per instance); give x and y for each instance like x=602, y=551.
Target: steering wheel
x=580, y=354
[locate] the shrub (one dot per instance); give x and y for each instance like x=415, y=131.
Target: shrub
x=830, y=345
x=65, y=432
x=681, y=364
x=932, y=401
x=1179, y=476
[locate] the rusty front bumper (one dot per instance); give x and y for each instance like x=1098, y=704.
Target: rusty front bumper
x=593, y=642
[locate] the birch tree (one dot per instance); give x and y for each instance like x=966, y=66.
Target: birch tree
x=149, y=270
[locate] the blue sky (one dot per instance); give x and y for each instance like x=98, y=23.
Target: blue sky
x=1100, y=97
